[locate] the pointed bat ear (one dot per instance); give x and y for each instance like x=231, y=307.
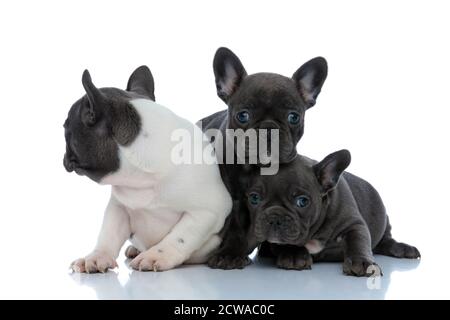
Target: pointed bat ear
x=141, y=82
x=90, y=115
x=309, y=79
x=228, y=71
x=329, y=170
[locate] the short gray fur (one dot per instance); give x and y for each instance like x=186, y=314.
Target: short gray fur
x=344, y=213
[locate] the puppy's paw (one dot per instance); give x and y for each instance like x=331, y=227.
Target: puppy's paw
x=93, y=263
x=361, y=267
x=294, y=260
x=228, y=262
x=410, y=252
x=396, y=249
x=403, y=250
x=131, y=252
x=157, y=259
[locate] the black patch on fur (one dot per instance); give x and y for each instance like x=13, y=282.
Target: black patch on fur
x=141, y=82
x=98, y=123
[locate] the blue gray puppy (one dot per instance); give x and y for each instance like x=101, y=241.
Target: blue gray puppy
x=314, y=211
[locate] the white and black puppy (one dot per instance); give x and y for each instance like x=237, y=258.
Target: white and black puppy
x=171, y=213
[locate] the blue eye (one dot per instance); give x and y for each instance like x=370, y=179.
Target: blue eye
x=254, y=198
x=243, y=116
x=293, y=118
x=302, y=201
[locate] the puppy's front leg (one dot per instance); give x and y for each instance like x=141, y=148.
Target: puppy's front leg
x=113, y=234
x=235, y=248
x=187, y=236
x=358, y=258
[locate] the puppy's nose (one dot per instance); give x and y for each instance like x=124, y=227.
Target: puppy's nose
x=269, y=124
x=275, y=221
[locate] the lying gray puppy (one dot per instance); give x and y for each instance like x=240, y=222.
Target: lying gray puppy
x=316, y=211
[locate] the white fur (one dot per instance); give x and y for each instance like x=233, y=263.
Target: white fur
x=314, y=246
x=171, y=213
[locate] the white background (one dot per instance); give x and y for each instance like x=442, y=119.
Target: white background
x=386, y=99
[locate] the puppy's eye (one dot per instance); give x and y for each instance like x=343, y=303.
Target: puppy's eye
x=243, y=117
x=302, y=201
x=293, y=118
x=254, y=198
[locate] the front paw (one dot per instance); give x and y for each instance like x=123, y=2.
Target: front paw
x=361, y=267
x=294, y=260
x=157, y=259
x=228, y=262
x=93, y=263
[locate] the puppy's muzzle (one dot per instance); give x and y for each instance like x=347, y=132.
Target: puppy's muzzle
x=69, y=164
x=268, y=126
x=267, y=129
x=277, y=225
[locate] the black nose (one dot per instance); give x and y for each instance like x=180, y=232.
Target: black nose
x=275, y=221
x=269, y=124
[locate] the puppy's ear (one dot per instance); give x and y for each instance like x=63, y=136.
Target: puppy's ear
x=330, y=169
x=91, y=115
x=141, y=82
x=309, y=79
x=228, y=71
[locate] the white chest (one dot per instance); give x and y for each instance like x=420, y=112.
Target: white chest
x=314, y=246
x=135, y=199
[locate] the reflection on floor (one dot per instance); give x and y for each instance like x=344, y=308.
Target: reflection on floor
x=261, y=280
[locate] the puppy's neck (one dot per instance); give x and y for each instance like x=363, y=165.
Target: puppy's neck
x=133, y=179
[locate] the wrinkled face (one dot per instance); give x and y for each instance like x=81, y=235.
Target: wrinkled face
x=90, y=148
x=284, y=207
x=269, y=101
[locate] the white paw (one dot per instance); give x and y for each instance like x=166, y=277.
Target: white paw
x=95, y=262
x=157, y=259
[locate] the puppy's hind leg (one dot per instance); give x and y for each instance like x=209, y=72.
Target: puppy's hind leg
x=389, y=247
x=186, y=237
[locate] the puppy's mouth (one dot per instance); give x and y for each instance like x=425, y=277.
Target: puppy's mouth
x=72, y=165
x=276, y=240
x=69, y=165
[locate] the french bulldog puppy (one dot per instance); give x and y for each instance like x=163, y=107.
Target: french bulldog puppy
x=172, y=213
x=258, y=101
x=315, y=211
